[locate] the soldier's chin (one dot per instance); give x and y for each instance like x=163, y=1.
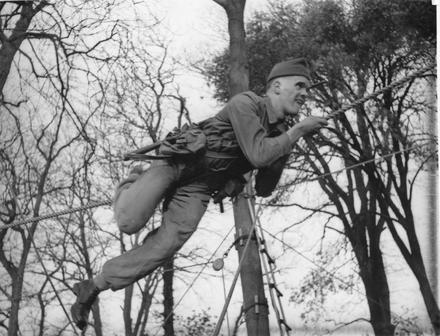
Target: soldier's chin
x=293, y=112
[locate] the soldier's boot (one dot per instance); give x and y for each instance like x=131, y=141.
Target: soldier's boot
x=86, y=293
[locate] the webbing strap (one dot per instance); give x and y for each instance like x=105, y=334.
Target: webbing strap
x=218, y=155
x=256, y=305
x=144, y=157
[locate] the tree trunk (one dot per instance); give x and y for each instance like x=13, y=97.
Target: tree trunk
x=17, y=287
x=372, y=273
x=97, y=324
x=10, y=46
x=239, y=70
x=18, y=273
x=414, y=259
x=428, y=298
x=128, y=295
x=144, y=309
x=168, y=299
x=254, y=299
x=378, y=295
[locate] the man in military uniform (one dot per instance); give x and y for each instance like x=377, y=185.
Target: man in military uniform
x=250, y=132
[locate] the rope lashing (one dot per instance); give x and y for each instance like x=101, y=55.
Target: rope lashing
x=255, y=305
x=219, y=263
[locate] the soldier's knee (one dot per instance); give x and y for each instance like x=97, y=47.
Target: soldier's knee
x=189, y=224
x=128, y=224
x=173, y=245
x=127, y=229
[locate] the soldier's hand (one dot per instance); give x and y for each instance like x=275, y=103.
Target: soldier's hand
x=311, y=124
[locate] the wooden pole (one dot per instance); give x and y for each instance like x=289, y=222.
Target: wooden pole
x=433, y=249
x=254, y=301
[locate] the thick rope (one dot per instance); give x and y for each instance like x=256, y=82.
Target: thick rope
x=103, y=203
x=339, y=111
x=55, y=214
x=379, y=158
x=393, y=85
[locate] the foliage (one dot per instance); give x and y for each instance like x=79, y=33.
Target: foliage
x=333, y=35
x=321, y=283
x=196, y=324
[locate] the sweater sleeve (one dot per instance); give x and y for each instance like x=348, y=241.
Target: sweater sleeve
x=259, y=149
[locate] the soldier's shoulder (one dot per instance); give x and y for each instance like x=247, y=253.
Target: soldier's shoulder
x=248, y=95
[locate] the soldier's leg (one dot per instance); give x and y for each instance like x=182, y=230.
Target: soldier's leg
x=180, y=219
x=135, y=201
x=138, y=196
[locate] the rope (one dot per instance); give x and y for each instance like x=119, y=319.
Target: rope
x=339, y=111
x=222, y=315
x=179, y=268
x=192, y=283
x=393, y=85
x=56, y=214
x=379, y=158
x=103, y=203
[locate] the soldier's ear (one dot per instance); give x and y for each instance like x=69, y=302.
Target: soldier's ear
x=276, y=86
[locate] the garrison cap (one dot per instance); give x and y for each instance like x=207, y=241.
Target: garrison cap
x=291, y=67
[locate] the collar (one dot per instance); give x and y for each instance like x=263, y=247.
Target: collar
x=271, y=115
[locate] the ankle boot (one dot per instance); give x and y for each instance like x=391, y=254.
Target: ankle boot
x=86, y=293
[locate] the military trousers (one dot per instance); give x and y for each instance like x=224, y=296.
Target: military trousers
x=186, y=200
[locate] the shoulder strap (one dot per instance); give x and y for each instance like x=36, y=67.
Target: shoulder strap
x=219, y=155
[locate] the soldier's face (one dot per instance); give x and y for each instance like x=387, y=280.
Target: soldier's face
x=292, y=93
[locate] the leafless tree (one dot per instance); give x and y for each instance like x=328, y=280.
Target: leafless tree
x=53, y=87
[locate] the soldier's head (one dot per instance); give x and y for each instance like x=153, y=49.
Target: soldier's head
x=287, y=86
